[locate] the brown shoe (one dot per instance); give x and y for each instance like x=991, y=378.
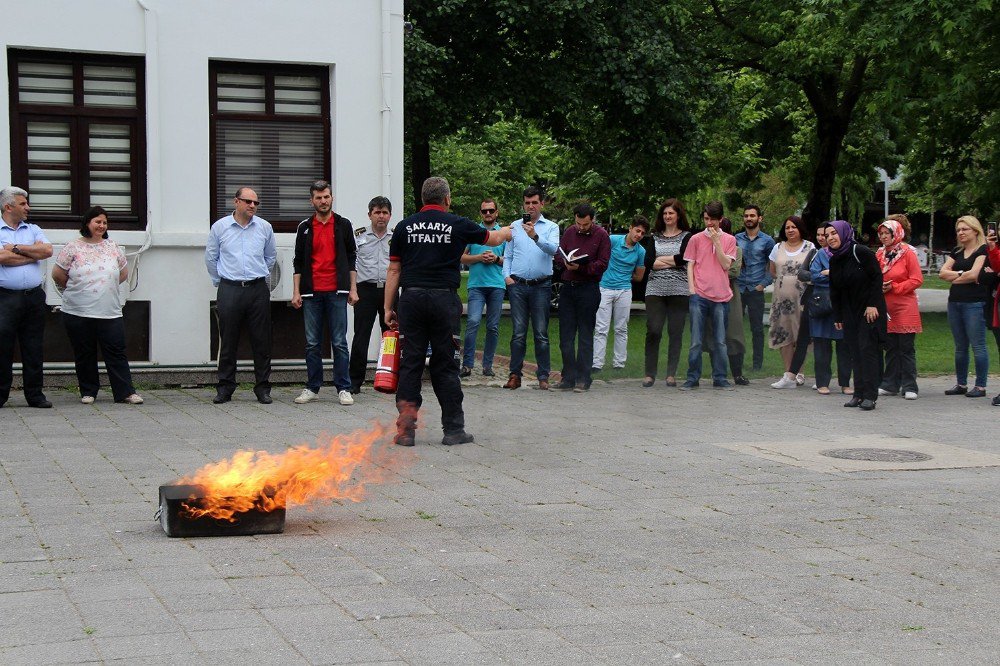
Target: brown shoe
x=513, y=382
x=543, y=385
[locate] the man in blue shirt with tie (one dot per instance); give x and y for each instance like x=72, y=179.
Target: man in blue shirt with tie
x=22, y=300
x=527, y=270
x=239, y=255
x=756, y=247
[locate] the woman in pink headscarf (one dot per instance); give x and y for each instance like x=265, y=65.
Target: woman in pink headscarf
x=901, y=276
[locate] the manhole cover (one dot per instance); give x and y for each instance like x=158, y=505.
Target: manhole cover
x=876, y=455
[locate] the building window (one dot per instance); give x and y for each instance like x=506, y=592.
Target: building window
x=270, y=130
x=78, y=135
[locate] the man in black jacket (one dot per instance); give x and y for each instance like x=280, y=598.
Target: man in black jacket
x=324, y=283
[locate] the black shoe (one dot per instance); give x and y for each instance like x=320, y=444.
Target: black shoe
x=741, y=380
x=957, y=389
x=855, y=401
x=563, y=386
x=488, y=372
x=594, y=370
x=460, y=437
x=996, y=401
x=582, y=388
x=867, y=405
x=222, y=396
x=646, y=383
x=263, y=396
x=40, y=403
x=403, y=439
x=976, y=393
x=355, y=390
x=465, y=372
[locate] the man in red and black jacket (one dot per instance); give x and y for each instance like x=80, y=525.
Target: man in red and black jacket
x=425, y=260
x=324, y=283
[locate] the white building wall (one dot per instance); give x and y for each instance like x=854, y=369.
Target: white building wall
x=178, y=38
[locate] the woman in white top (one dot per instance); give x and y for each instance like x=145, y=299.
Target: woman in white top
x=787, y=257
x=89, y=270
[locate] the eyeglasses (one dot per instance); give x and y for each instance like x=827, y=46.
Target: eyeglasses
x=249, y=202
x=487, y=211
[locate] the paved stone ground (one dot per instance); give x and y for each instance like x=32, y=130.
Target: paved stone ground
x=606, y=527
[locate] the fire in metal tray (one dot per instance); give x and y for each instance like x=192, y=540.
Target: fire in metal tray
x=249, y=492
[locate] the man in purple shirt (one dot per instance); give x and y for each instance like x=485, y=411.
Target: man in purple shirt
x=582, y=258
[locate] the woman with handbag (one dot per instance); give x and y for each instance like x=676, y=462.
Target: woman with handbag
x=824, y=335
x=901, y=277
x=787, y=257
x=858, y=309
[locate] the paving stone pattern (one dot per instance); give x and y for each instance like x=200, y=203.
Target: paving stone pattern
x=605, y=527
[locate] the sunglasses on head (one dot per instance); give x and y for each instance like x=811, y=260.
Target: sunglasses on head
x=487, y=211
x=249, y=202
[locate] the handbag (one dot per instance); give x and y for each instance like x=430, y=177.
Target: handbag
x=820, y=304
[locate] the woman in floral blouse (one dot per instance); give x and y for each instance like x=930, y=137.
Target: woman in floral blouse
x=89, y=270
x=787, y=258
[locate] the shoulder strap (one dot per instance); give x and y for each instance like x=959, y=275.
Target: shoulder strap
x=854, y=251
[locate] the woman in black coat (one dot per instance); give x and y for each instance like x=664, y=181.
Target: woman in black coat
x=858, y=309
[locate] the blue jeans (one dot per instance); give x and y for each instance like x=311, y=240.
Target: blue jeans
x=968, y=327
x=492, y=299
x=330, y=308
x=700, y=309
x=530, y=301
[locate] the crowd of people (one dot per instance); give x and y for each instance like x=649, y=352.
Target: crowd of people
x=829, y=292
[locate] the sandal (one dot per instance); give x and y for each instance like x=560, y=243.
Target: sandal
x=847, y=390
x=671, y=381
x=647, y=382
x=823, y=390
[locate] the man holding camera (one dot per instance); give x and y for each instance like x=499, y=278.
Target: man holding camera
x=527, y=270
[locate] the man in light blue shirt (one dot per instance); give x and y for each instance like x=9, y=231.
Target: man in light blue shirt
x=754, y=277
x=23, y=247
x=627, y=265
x=527, y=270
x=239, y=255
x=486, y=289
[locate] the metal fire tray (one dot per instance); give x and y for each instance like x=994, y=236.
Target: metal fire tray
x=176, y=524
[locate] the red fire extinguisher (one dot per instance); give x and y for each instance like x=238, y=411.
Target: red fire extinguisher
x=387, y=370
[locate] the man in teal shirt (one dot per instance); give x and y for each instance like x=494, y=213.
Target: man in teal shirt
x=486, y=288
x=627, y=265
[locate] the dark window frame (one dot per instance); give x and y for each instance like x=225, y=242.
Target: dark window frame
x=269, y=70
x=80, y=118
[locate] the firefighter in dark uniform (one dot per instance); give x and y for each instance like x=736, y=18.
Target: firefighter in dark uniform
x=424, y=259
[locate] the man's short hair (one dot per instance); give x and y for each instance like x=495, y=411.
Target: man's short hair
x=8, y=194
x=379, y=202
x=319, y=186
x=489, y=200
x=714, y=210
x=533, y=191
x=584, y=210
x=753, y=207
x=239, y=191
x=435, y=190
x=640, y=221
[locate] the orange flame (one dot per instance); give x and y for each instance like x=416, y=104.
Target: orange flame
x=337, y=467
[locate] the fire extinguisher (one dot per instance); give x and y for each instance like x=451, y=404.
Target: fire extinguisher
x=387, y=370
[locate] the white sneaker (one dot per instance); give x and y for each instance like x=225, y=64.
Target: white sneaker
x=346, y=398
x=882, y=391
x=785, y=382
x=87, y=399
x=305, y=396
x=134, y=399
x=909, y=395
x=800, y=379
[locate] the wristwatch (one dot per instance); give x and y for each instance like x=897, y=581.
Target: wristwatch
x=15, y=250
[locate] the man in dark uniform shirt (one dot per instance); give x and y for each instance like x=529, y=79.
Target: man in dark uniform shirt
x=424, y=259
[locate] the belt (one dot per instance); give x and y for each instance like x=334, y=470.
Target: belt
x=429, y=289
x=30, y=290
x=373, y=283
x=578, y=283
x=532, y=282
x=241, y=283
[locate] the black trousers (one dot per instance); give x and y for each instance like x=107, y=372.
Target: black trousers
x=673, y=311
x=578, y=304
x=753, y=303
x=86, y=334
x=900, y=363
x=430, y=316
x=22, y=321
x=370, y=305
x=801, y=343
x=244, y=307
x=864, y=341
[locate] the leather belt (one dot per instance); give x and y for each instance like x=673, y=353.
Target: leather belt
x=30, y=290
x=532, y=282
x=429, y=289
x=241, y=283
x=374, y=283
x=578, y=283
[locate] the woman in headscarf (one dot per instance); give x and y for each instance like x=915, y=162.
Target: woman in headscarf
x=901, y=277
x=858, y=309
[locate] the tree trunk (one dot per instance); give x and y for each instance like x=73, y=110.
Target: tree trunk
x=831, y=132
x=421, y=166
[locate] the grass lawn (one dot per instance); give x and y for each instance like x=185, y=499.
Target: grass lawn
x=935, y=350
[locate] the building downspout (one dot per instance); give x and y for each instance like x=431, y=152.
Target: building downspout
x=388, y=7
x=154, y=189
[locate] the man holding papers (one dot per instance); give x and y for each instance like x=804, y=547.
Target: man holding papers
x=582, y=258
